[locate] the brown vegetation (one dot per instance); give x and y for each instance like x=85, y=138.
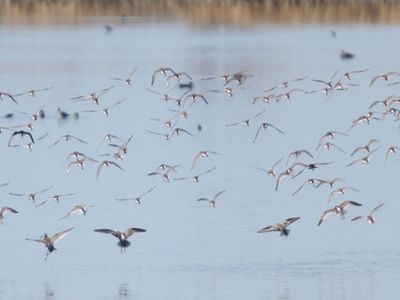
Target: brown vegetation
x=204, y=12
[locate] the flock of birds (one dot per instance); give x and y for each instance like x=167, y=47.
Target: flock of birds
x=179, y=107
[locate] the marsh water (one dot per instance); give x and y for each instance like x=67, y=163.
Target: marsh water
x=191, y=250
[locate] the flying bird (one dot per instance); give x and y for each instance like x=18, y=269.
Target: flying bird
x=280, y=227
x=4, y=210
x=50, y=241
x=122, y=236
x=338, y=210
x=212, y=201
x=371, y=217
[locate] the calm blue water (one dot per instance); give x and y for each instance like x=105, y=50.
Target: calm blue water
x=190, y=250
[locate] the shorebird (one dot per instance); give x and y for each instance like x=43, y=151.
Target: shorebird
x=286, y=95
x=171, y=122
x=8, y=95
x=79, y=162
x=298, y=153
x=264, y=126
x=311, y=166
x=6, y=210
x=122, y=236
x=227, y=90
x=166, y=169
x=271, y=171
x=239, y=78
x=329, y=146
x=285, y=84
x=338, y=209
x=27, y=146
x=341, y=191
x=391, y=150
x=364, y=160
x=122, y=149
x=384, y=77
x=109, y=137
x=21, y=133
x=194, y=97
x=179, y=130
x=363, y=119
x=128, y=80
x=385, y=103
x=33, y=92
x=106, y=163
x=67, y=138
x=330, y=135
x=50, y=241
x=182, y=113
x=329, y=83
x=371, y=217
x=288, y=172
x=315, y=182
x=78, y=209
x=79, y=156
x=228, y=76
x=201, y=154
x=281, y=227
x=164, y=97
x=196, y=178
x=162, y=70
x=56, y=197
x=331, y=183
x=366, y=148
x=106, y=110
x=266, y=99
x=94, y=96
x=138, y=200
x=213, y=200
x=39, y=114
x=347, y=74
x=248, y=121
x=31, y=196
x=177, y=76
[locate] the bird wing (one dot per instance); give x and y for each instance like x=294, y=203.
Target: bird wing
x=16, y=194
x=203, y=199
x=115, y=164
x=109, y=231
x=267, y=229
x=354, y=162
x=376, y=208
x=78, y=139
x=375, y=79
x=299, y=189
x=60, y=235
x=99, y=169
x=206, y=172
x=358, y=218
x=116, y=103
x=148, y=191
x=258, y=132
x=276, y=128
x=325, y=214
x=44, y=190
x=132, y=230
x=8, y=209
x=349, y=202
x=219, y=193
x=291, y=220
